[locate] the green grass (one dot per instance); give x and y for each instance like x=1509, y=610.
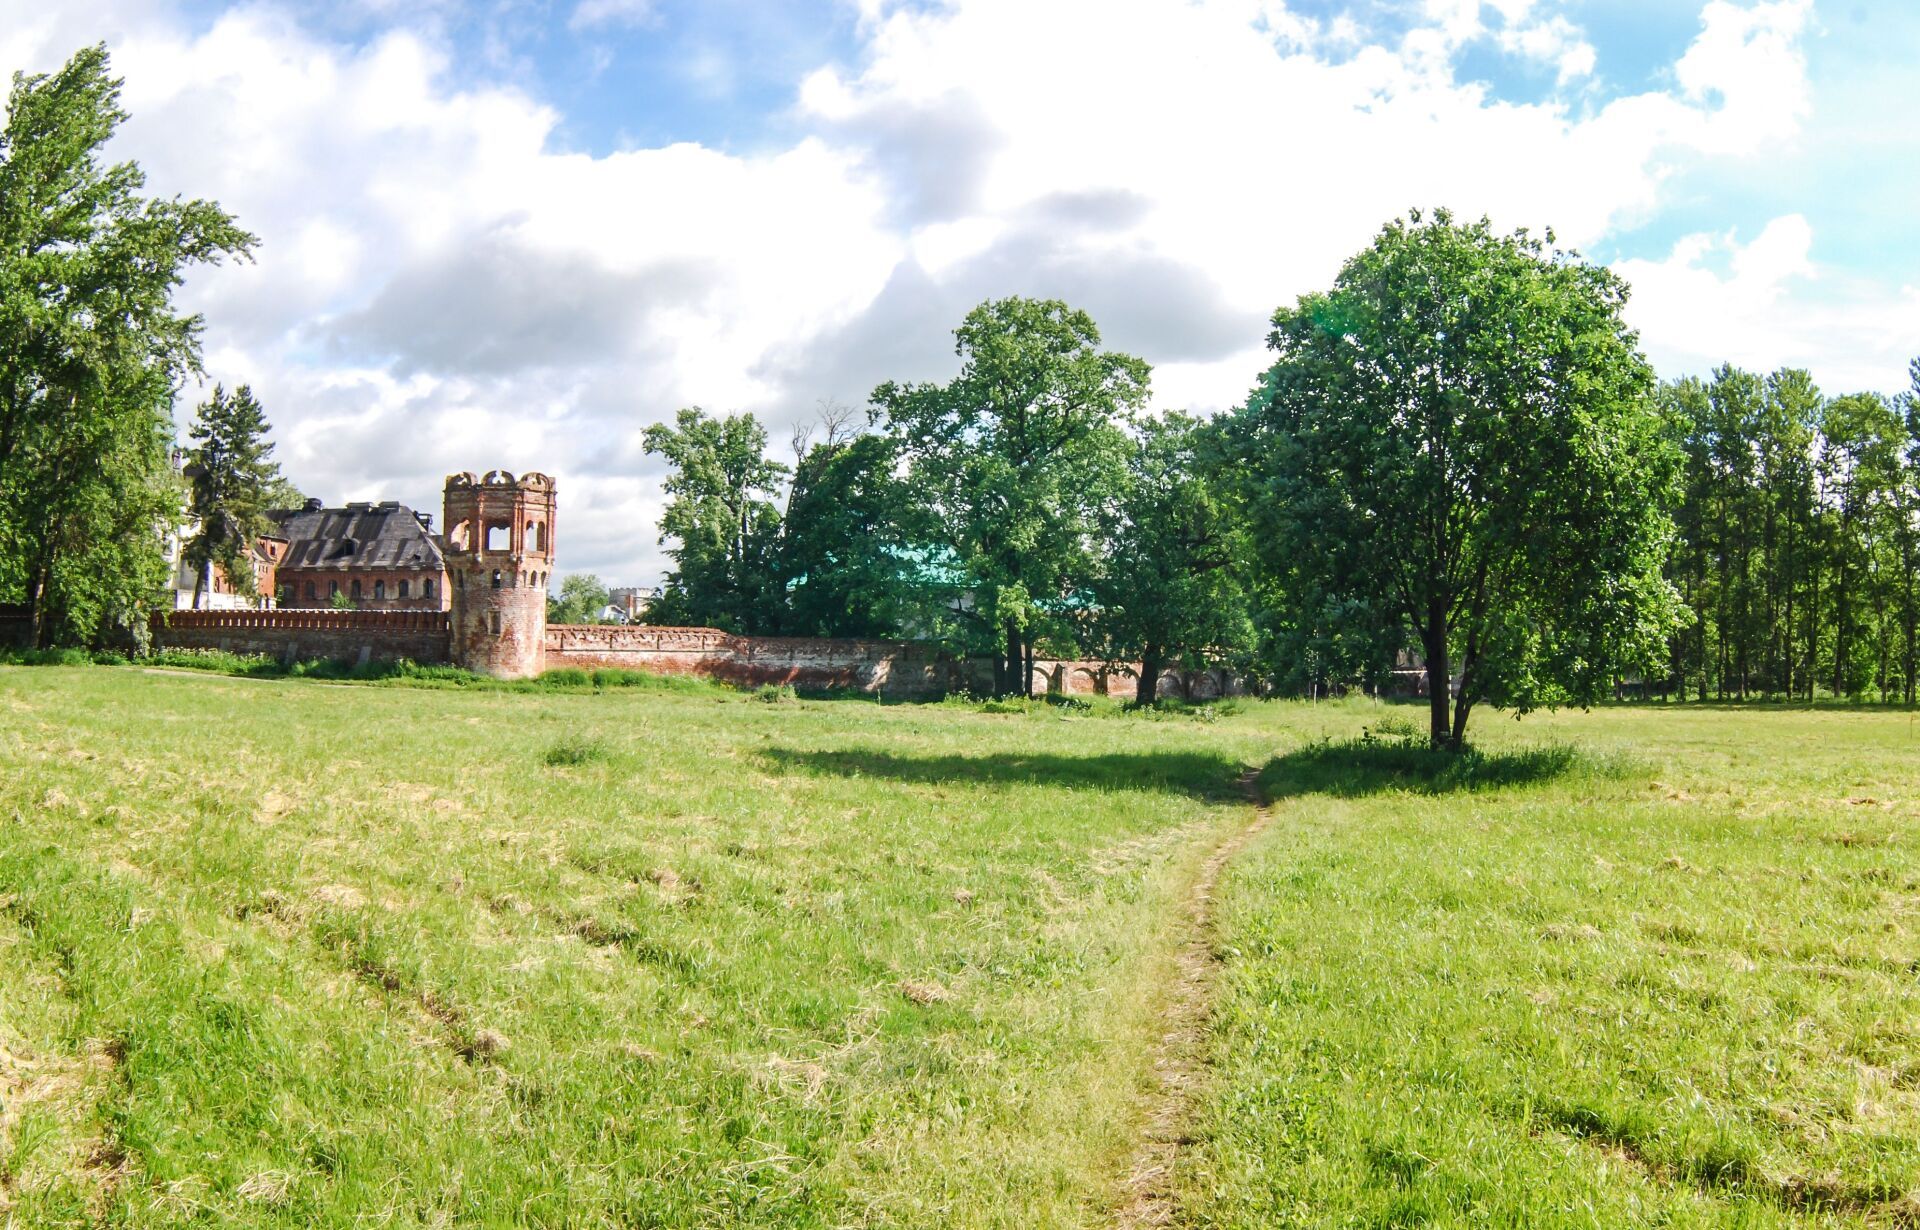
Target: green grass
x=1670, y=978
x=285, y=953
x=584, y=952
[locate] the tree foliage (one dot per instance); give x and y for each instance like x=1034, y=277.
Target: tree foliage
x=583, y=597
x=92, y=350
x=1461, y=437
x=852, y=541
x=721, y=519
x=231, y=481
x=1171, y=591
x=1800, y=539
x=1012, y=458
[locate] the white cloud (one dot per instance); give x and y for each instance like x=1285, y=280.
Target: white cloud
x=1765, y=304
x=441, y=287
x=1555, y=41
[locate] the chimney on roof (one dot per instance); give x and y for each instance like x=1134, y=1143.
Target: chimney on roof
x=425, y=519
x=314, y=504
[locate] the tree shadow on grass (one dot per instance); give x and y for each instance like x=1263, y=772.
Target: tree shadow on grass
x=1213, y=779
x=1359, y=767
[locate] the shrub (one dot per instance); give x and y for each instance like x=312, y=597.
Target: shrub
x=776, y=693
x=575, y=750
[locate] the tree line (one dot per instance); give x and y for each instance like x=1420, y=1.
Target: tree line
x=1459, y=473
x=1798, y=548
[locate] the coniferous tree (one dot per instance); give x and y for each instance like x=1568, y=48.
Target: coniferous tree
x=232, y=480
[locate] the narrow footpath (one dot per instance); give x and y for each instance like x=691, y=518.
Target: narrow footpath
x=1179, y=1057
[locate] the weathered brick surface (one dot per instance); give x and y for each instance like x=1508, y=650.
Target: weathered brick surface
x=499, y=553
x=349, y=636
x=887, y=668
x=890, y=668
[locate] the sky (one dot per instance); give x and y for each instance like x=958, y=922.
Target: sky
x=513, y=233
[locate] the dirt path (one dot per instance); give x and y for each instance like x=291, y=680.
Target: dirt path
x=1179, y=1061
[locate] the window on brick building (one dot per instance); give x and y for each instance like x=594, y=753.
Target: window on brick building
x=499, y=538
x=403, y=589
x=379, y=591
x=310, y=593
x=356, y=589
x=496, y=578
x=426, y=588
x=333, y=589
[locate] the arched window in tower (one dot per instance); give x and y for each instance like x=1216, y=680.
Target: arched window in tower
x=496, y=578
x=536, y=536
x=500, y=537
x=460, y=535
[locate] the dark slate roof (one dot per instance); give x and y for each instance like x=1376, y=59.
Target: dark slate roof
x=387, y=535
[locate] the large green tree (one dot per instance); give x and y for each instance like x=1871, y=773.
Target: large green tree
x=852, y=543
x=1462, y=435
x=231, y=481
x=1170, y=592
x=92, y=351
x=722, y=521
x=1013, y=458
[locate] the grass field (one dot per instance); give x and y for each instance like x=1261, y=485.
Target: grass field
x=287, y=952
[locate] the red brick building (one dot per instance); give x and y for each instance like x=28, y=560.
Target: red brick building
x=378, y=557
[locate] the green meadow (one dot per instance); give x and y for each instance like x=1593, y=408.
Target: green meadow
x=299, y=952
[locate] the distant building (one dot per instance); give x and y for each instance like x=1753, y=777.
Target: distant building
x=217, y=590
x=376, y=556
x=629, y=604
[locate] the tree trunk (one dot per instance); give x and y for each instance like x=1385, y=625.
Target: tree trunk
x=1147, y=687
x=1016, y=660
x=1439, y=685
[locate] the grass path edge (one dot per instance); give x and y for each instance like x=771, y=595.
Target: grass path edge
x=1179, y=1061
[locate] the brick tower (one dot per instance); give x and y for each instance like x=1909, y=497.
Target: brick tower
x=499, y=552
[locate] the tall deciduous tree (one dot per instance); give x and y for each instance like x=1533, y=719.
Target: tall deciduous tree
x=1170, y=592
x=92, y=350
x=722, y=520
x=231, y=479
x=851, y=548
x=1462, y=433
x=1013, y=457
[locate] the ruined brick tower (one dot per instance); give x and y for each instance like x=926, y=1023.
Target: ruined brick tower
x=499, y=552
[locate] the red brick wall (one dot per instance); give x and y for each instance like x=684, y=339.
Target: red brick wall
x=889, y=668
x=350, y=636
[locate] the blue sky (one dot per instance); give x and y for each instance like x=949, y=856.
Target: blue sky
x=515, y=232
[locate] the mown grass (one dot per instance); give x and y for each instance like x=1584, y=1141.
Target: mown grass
x=1641, y=967
x=279, y=953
